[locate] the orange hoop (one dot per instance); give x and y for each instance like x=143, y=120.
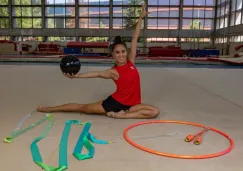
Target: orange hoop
x=175, y=155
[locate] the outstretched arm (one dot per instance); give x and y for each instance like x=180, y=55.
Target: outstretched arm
x=107, y=74
x=136, y=33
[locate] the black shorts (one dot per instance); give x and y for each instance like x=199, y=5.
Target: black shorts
x=111, y=105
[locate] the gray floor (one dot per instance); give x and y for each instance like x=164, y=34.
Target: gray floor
x=212, y=97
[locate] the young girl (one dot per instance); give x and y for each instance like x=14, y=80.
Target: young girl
x=125, y=102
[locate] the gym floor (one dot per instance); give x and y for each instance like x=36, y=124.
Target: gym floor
x=209, y=96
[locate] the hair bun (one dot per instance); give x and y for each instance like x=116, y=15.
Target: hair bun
x=118, y=39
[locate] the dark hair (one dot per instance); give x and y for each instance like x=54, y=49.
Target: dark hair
x=118, y=41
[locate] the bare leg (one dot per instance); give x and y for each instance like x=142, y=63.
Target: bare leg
x=94, y=108
x=141, y=111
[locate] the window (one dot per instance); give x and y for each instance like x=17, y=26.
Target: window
x=4, y=23
x=173, y=24
x=188, y=2
x=164, y=2
x=210, y=2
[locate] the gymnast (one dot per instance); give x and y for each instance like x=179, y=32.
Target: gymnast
x=125, y=102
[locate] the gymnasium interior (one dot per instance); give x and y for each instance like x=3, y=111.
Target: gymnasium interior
x=190, y=60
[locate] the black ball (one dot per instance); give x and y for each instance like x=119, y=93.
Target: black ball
x=70, y=64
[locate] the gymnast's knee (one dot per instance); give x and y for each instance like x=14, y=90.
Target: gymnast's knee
x=79, y=107
x=155, y=112
x=84, y=108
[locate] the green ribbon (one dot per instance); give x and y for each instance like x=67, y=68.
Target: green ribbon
x=84, y=140
x=17, y=132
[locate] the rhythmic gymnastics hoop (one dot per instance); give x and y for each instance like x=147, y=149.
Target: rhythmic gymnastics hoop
x=175, y=155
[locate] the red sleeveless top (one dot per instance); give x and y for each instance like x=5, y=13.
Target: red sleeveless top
x=128, y=91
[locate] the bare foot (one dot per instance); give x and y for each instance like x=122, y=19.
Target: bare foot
x=42, y=109
x=119, y=114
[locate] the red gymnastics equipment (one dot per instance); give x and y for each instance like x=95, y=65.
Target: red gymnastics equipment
x=238, y=47
x=175, y=155
x=88, y=44
x=168, y=51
